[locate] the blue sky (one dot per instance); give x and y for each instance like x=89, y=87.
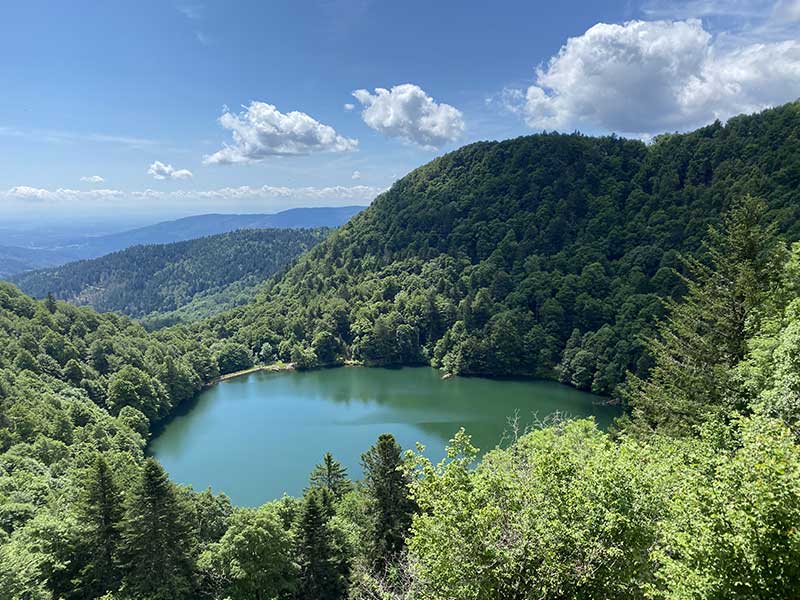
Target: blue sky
x=148, y=110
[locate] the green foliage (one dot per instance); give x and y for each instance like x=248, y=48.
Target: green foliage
x=100, y=515
x=133, y=387
x=566, y=512
x=389, y=505
x=705, y=336
x=330, y=475
x=232, y=357
x=324, y=567
x=731, y=526
x=253, y=560
x=156, y=550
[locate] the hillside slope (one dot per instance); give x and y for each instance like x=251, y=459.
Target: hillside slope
x=58, y=250
x=521, y=256
x=164, y=277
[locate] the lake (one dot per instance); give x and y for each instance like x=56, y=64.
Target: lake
x=258, y=436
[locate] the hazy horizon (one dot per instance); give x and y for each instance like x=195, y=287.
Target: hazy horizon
x=268, y=107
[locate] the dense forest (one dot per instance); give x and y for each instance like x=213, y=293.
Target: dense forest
x=161, y=278
x=548, y=254
x=695, y=494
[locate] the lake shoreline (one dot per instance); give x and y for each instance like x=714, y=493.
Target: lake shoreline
x=279, y=367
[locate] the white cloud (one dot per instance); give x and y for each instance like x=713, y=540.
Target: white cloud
x=261, y=131
x=162, y=171
x=408, y=113
x=357, y=175
x=28, y=193
x=349, y=106
x=193, y=12
x=309, y=196
x=644, y=77
x=93, y=179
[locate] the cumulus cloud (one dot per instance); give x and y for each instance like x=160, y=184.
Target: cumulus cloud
x=349, y=106
x=357, y=175
x=407, y=112
x=93, y=179
x=644, y=77
x=261, y=131
x=161, y=171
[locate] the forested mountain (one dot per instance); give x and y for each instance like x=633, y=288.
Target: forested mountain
x=59, y=249
x=165, y=277
x=524, y=256
x=204, y=225
x=15, y=259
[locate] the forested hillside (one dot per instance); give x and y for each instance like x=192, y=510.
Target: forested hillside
x=163, y=278
x=41, y=249
x=539, y=255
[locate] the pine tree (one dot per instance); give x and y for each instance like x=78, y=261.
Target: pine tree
x=332, y=476
x=100, y=511
x=705, y=335
x=50, y=303
x=323, y=568
x=387, y=487
x=157, y=540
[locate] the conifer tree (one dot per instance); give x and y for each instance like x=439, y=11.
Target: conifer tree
x=323, y=567
x=330, y=475
x=157, y=544
x=50, y=303
x=705, y=335
x=387, y=487
x=100, y=513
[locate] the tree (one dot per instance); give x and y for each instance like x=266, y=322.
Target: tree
x=325, y=346
x=323, y=567
x=253, y=560
x=731, y=529
x=100, y=512
x=390, y=507
x=50, y=303
x=233, y=357
x=130, y=386
x=705, y=336
x=24, y=361
x=332, y=476
x=562, y=513
x=157, y=545
x=73, y=372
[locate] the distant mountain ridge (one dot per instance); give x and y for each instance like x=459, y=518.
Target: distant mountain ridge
x=221, y=269
x=18, y=259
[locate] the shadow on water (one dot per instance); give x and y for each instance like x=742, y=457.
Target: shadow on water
x=182, y=410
